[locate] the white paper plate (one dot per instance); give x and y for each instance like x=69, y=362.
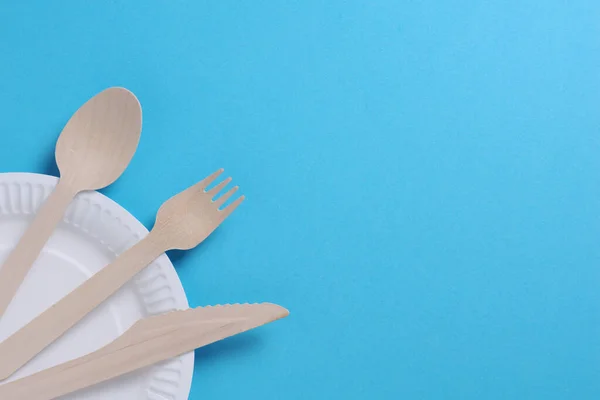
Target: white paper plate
x=95, y=229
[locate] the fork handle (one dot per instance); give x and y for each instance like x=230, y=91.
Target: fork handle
x=21, y=258
x=31, y=339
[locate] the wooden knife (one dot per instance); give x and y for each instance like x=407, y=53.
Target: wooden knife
x=147, y=342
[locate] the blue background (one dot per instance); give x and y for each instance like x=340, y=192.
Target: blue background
x=423, y=179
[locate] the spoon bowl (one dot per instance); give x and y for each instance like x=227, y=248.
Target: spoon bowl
x=99, y=140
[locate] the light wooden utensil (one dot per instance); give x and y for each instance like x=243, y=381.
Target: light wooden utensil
x=182, y=222
x=92, y=151
x=149, y=341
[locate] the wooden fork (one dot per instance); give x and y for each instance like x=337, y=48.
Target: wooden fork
x=182, y=222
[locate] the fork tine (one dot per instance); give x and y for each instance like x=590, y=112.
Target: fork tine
x=204, y=183
x=213, y=192
x=230, y=208
x=221, y=200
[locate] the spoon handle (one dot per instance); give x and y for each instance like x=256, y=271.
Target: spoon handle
x=51, y=324
x=19, y=261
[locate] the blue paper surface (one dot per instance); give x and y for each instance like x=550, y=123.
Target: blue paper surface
x=423, y=179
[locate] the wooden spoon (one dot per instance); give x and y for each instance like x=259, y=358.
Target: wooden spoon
x=92, y=151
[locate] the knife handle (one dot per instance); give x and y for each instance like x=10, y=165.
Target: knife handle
x=114, y=360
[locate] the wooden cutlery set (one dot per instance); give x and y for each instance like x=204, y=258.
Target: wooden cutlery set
x=92, y=151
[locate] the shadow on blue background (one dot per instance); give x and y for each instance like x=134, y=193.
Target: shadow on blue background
x=422, y=180
x=227, y=350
